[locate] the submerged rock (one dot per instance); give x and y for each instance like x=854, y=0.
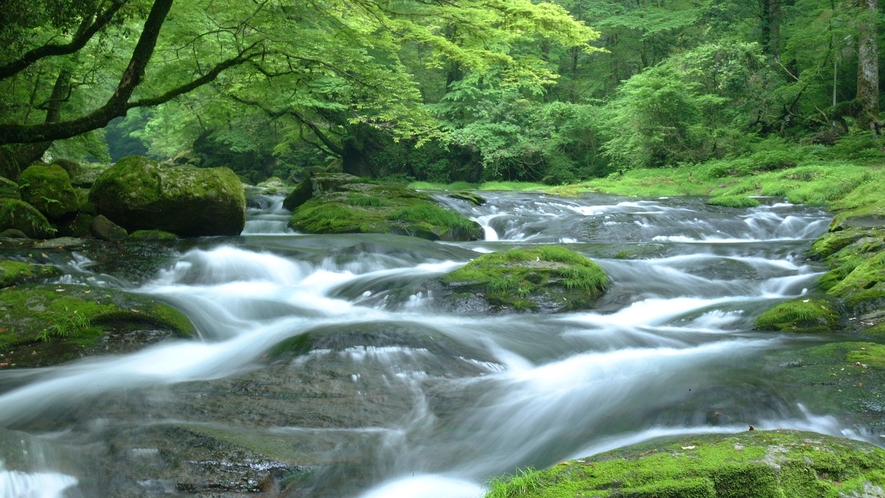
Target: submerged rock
x=340, y=203
x=545, y=278
x=45, y=324
x=755, y=463
x=140, y=194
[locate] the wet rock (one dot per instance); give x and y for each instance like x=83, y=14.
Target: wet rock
x=754, y=463
x=140, y=194
x=45, y=324
x=340, y=203
x=469, y=197
x=61, y=243
x=105, y=229
x=12, y=233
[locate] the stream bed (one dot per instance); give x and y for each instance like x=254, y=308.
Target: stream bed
x=327, y=367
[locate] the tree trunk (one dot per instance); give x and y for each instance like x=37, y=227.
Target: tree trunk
x=868, y=66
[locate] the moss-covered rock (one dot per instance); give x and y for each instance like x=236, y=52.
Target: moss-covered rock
x=804, y=314
x=22, y=216
x=863, y=289
x=64, y=322
x=9, y=189
x=48, y=188
x=17, y=272
x=78, y=226
x=342, y=203
x=760, y=464
x=831, y=243
x=140, y=194
x=545, y=278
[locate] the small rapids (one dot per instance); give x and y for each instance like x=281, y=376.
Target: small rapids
x=327, y=365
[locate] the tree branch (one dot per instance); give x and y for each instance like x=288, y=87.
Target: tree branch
x=79, y=41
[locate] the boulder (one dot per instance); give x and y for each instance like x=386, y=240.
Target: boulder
x=140, y=194
x=20, y=215
x=340, y=203
x=105, y=229
x=544, y=278
x=17, y=272
x=803, y=314
x=48, y=188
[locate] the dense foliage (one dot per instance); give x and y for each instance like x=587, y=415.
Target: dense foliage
x=466, y=90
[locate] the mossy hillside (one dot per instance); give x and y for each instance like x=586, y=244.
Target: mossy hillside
x=804, y=314
x=22, y=216
x=361, y=207
x=760, y=464
x=72, y=317
x=17, y=272
x=544, y=277
x=48, y=188
x=140, y=194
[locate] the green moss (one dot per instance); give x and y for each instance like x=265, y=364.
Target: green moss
x=830, y=243
x=346, y=204
x=152, y=235
x=140, y=194
x=78, y=315
x=16, y=272
x=757, y=463
x=48, y=188
x=22, y=216
x=735, y=201
x=864, y=287
x=544, y=276
x=867, y=353
x=9, y=189
x=801, y=315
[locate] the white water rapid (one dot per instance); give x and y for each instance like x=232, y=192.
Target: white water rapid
x=328, y=367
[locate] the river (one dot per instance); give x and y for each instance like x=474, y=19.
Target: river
x=379, y=393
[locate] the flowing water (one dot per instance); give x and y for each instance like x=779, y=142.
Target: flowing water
x=381, y=390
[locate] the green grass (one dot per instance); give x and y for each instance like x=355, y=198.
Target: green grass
x=760, y=464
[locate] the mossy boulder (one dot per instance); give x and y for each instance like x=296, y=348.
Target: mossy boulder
x=340, y=203
x=152, y=235
x=22, y=216
x=760, y=464
x=868, y=216
x=48, y=188
x=140, y=194
x=62, y=322
x=544, y=278
x=17, y=272
x=804, y=314
x=831, y=243
x=863, y=289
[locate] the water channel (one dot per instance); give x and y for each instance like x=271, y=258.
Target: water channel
x=383, y=391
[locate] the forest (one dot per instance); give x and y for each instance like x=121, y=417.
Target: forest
x=440, y=91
